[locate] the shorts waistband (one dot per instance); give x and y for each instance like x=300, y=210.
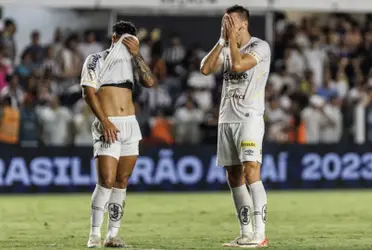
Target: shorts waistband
x=122, y=118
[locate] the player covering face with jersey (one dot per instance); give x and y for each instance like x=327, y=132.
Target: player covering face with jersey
x=245, y=61
x=107, y=80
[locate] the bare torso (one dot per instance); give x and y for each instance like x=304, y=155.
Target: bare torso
x=116, y=101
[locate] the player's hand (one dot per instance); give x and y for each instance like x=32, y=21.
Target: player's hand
x=231, y=28
x=110, y=131
x=132, y=45
x=224, y=26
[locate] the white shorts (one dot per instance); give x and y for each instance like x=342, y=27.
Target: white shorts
x=128, y=137
x=240, y=142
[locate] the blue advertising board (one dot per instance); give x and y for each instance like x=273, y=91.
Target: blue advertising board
x=34, y=170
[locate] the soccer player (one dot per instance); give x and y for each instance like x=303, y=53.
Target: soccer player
x=246, y=63
x=116, y=135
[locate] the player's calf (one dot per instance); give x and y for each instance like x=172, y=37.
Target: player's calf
x=242, y=200
x=258, y=192
x=116, y=203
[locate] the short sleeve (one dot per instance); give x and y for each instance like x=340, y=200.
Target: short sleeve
x=260, y=50
x=89, y=75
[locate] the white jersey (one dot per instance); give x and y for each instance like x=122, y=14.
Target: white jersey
x=93, y=65
x=244, y=93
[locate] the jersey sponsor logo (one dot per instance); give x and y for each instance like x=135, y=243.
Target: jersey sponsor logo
x=93, y=64
x=248, y=144
x=237, y=77
x=235, y=94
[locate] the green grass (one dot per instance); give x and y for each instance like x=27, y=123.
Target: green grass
x=296, y=220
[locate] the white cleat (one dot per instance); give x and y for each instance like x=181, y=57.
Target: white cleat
x=253, y=240
x=114, y=242
x=94, y=241
x=240, y=241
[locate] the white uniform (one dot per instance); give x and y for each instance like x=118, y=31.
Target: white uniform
x=130, y=133
x=241, y=125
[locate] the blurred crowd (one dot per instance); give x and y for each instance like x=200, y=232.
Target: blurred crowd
x=319, y=91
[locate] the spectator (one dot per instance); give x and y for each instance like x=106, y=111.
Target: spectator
x=83, y=120
x=25, y=69
x=210, y=126
x=57, y=44
x=312, y=119
x=331, y=127
x=202, y=86
x=13, y=91
x=184, y=98
x=7, y=40
x=56, y=123
x=340, y=84
x=161, y=131
x=29, y=130
x=146, y=49
x=90, y=46
x=174, y=55
x=50, y=65
x=316, y=59
x=154, y=99
x=327, y=90
x=4, y=70
x=278, y=120
x=9, y=122
x=35, y=49
x=282, y=78
x=45, y=93
x=188, y=120
x=71, y=64
x=295, y=61
x=307, y=85
x=158, y=66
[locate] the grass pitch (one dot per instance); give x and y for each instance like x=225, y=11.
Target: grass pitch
x=296, y=220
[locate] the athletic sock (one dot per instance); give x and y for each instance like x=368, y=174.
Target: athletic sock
x=260, y=203
x=99, y=200
x=115, y=210
x=243, y=204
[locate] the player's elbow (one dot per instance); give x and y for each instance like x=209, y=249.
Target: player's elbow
x=205, y=70
x=237, y=68
x=150, y=83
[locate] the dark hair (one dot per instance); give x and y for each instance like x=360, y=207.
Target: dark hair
x=71, y=38
x=124, y=27
x=243, y=12
x=8, y=22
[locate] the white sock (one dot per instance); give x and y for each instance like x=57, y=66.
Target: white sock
x=99, y=200
x=260, y=203
x=243, y=204
x=115, y=210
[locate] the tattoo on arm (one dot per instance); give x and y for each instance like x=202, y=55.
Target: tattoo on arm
x=147, y=79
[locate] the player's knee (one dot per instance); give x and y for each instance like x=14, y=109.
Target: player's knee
x=251, y=170
x=122, y=180
x=107, y=182
x=235, y=176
